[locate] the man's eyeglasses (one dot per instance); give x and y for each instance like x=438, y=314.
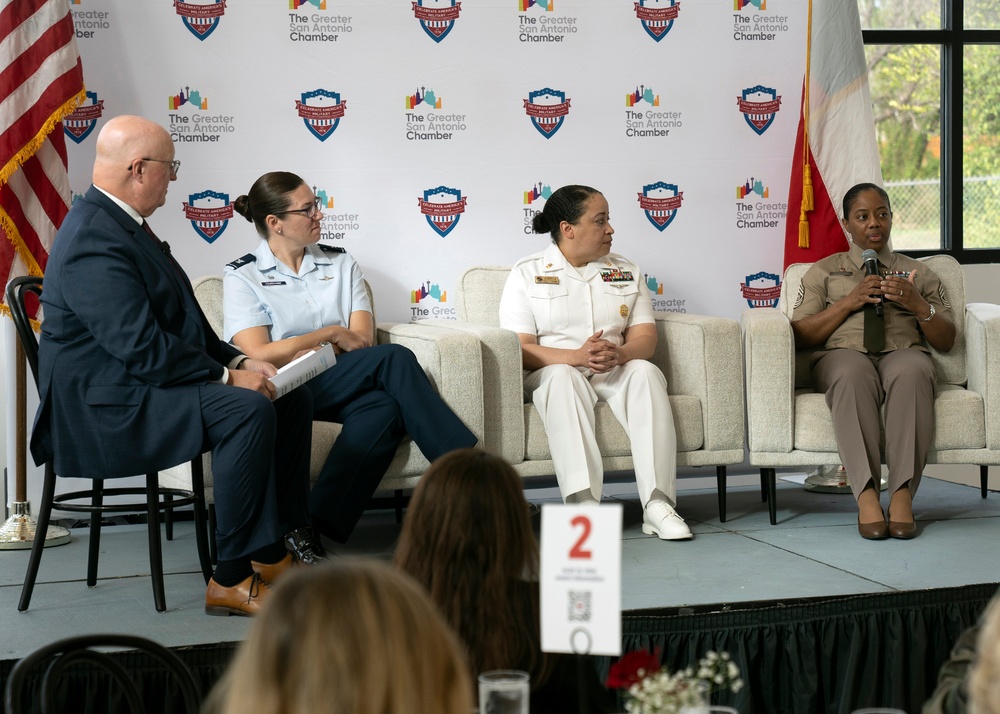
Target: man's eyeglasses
x=312, y=212
x=175, y=165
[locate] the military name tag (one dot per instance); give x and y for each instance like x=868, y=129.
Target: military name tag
x=546, y=280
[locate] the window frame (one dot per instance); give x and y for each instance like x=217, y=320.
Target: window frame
x=952, y=38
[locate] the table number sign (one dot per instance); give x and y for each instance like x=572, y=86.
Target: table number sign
x=581, y=574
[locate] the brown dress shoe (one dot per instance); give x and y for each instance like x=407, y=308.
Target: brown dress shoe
x=873, y=531
x=272, y=571
x=244, y=598
x=903, y=531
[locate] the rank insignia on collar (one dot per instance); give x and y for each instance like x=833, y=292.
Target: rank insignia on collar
x=546, y=280
x=616, y=275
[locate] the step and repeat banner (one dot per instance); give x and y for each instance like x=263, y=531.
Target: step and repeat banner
x=434, y=129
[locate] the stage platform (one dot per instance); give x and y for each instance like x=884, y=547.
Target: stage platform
x=742, y=585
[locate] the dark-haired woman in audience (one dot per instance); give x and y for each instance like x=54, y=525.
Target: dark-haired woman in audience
x=467, y=538
x=585, y=321
x=291, y=295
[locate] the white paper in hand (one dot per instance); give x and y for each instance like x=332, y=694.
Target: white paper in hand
x=301, y=370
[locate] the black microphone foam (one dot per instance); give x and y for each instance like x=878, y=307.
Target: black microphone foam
x=165, y=247
x=870, y=258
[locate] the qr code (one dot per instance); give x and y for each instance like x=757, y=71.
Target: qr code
x=579, y=606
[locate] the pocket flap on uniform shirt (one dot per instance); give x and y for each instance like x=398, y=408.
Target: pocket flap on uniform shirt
x=547, y=292
x=114, y=394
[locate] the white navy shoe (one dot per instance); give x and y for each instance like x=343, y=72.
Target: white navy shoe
x=659, y=519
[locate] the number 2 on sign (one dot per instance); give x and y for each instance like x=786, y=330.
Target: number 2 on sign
x=579, y=550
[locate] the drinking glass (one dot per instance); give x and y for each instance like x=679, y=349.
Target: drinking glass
x=503, y=691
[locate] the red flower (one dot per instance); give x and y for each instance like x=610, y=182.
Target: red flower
x=632, y=667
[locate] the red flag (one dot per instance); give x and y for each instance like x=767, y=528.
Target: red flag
x=40, y=83
x=836, y=135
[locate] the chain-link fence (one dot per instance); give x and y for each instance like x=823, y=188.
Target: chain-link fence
x=916, y=213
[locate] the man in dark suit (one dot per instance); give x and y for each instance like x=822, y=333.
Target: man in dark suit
x=133, y=379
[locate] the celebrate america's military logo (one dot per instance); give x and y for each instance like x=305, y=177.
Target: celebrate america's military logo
x=547, y=109
x=761, y=289
x=437, y=17
x=657, y=16
x=200, y=19
x=759, y=105
x=442, y=207
x=209, y=213
x=82, y=121
x=321, y=112
x=660, y=201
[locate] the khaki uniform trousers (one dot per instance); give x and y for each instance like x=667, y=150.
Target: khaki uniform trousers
x=856, y=385
x=637, y=394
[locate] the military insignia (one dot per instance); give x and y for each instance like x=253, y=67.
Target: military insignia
x=801, y=296
x=547, y=108
x=660, y=202
x=331, y=248
x=657, y=16
x=437, y=17
x=321, y=112
x=761, y=289
x=623, y=310
x=616, y=275
x=548, y=265
x=209, y=213
x=244, y=260
x=78, y=125
x=546, y=280
x=200, y=19
x=758, y=105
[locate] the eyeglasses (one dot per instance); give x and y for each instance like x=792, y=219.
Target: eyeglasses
x=312, y=212
x=175, y=165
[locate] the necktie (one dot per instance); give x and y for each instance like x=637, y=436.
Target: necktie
x=874, y=330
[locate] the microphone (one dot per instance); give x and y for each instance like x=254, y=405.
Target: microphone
x=870, y=258
x=165, y=248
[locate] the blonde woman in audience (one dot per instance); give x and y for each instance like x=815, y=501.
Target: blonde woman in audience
x=467, y=538
x=984, y=680
x=350, y=637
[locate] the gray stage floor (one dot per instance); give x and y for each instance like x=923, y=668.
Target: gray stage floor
x=813, y=551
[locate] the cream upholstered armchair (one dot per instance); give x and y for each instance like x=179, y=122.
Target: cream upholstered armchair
x=451, y=360
x=700, y=357
x=790, y=424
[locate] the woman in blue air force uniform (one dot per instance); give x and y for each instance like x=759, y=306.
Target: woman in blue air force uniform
x=292, y=294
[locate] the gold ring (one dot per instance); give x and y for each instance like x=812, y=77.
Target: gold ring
x=900, y=293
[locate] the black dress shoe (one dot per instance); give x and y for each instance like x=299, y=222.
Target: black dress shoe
x=306, y=546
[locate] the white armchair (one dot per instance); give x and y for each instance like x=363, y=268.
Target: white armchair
x=699, y=355
x=790, y=424
x=450, y=358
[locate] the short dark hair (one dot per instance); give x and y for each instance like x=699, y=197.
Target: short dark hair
x=854, y=191
x=269, y=194
x=566, y=204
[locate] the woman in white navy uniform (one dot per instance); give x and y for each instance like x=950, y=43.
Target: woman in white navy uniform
x=292, y=294
x=586, y=325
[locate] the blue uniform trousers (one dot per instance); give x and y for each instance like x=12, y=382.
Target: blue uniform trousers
x=379, y=394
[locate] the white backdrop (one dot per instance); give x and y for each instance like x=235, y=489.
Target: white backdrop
x=423, y=103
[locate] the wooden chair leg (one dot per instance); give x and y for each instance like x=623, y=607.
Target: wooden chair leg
x=41, y=528
x=94, y=551
x=155, y=550
x=200, y=520
x=720, y=477
x=984, y=479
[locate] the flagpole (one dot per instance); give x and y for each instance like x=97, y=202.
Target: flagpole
x=19, y=531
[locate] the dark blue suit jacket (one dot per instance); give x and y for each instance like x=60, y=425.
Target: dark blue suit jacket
x=123, y=352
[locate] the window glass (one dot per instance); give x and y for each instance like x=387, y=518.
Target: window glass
x=901, y=14
x=981, y=147
x=905, y=85
x=982, y=15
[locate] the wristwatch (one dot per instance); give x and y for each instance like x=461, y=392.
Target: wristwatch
x=931, y=316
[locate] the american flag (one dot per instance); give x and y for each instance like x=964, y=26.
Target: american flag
x=41, y=81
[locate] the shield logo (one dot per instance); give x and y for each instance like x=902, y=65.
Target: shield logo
x=209, y=213
x=759, y=105
x=82, y=121
x=660, y=202
x=442, y=207
x=200, y=19
x=761, y=289
x=437, y=17
x=547, y=109
x=321, y=112
x=657, y=16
